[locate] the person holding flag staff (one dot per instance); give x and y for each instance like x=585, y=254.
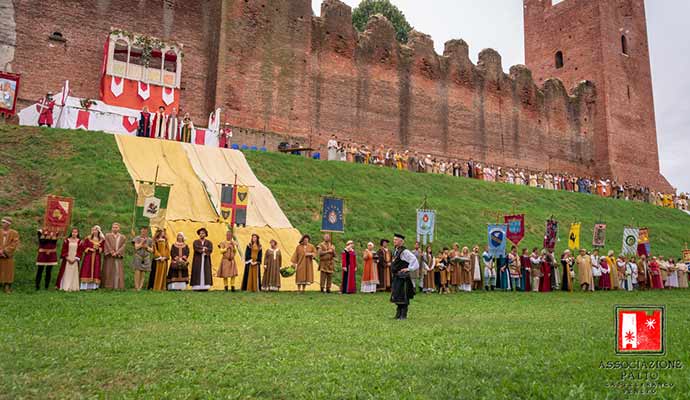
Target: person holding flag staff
x=402, y=289
x=228, y=266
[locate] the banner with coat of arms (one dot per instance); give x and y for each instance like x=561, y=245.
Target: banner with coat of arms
x=58, y=214
x=497, y=239
x=233, y=204
x=551, y=235
x=630, y=237
x=332, y=215
x=643, y=246
x=152, y=204
x=599, y=236
x=516, y=228
x=426, y=224
x=574, y=236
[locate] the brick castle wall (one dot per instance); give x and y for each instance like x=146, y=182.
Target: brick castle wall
x=589, y=34
x=277, y=70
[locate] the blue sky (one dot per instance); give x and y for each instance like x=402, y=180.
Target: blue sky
x=498, y=24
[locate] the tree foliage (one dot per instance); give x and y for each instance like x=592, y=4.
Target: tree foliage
x=367, y=8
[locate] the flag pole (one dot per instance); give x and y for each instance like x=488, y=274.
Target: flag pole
x=65, y=88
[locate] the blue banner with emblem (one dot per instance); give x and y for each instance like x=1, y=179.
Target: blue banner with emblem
x=332, y=216
x=497, y=239
x=426, y=223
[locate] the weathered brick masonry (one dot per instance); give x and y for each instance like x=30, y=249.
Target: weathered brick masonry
x=277, y=70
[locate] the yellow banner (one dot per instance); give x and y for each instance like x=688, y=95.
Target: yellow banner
x=574, y=237
x=242, y=196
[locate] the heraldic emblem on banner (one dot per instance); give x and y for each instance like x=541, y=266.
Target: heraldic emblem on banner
x=58, y=214
x=332, y=215
x=497, y=239
x=426, y=224
x=233, y=204
x=516, y=228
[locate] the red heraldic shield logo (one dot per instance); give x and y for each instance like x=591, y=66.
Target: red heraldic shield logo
x=640, y=330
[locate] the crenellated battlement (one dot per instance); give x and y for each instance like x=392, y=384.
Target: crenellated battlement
x=378, y=45
x=272, y=66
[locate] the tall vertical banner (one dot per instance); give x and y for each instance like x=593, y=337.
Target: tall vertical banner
x=551, y=235
x=332, y=215
x=630, y=237
x=574, y=236
x=497, y=239
x=426, y=223
x=516, y=228
x=643, y=246
x=233, y=204
x=599, y=236
x=151, y=205
x=58, y=214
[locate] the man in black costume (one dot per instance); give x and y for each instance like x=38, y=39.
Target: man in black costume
x=402, y=289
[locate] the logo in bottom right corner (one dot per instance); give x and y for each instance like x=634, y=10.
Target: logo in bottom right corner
x=640, y=330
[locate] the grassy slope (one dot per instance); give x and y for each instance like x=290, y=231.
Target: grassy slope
x=189, y=345
x=37, y=162
x=380, y=201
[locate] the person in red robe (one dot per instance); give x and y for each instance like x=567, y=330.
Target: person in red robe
x=45, y=106
x=223, y=139
x=159, y=124
x=92, y=247
x=655, y=274
x=349, y=264
x=605, y=278
x=546, y=266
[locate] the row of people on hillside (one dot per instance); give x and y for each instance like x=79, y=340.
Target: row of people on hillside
x=97, y=261
x=163, y=125
x=413, y=161
x=169, y=126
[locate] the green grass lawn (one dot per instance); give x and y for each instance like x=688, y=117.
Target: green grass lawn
x=218, y=345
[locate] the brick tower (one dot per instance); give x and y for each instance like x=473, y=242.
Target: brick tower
x=604, y=41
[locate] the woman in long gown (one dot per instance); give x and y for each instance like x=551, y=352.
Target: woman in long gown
x=228, y=266
x=672, y=280
x=178, y=275
x=455, y=268
x=68, y=277
x=202, y=278
x=273, y=261
x=370, y=275
x=430, y=262
x=161, y=255
x=682, y=275
x=655, y=274
x=253, y=255
x=465, y=270
x=90, y=276
x=567, y=262
x=605, y=278
x=545, y=279
x=349, y=266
